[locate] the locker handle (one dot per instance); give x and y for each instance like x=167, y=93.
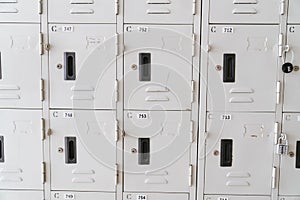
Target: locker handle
x=144, y=151
x=226, y=153
x=158, y=2
x=1, y=149
x=71, y=150
x=249, y=11
x=0, y=66
x=70, y=65
x=145, y=66
x=229, y=62
x=245, y=2
x=298, y=155
x=159, y=12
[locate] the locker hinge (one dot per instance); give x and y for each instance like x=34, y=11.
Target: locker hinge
x=49, y=132
x=276, y=131
x=192, y=131
x=116, y=174
x=117, y=131
x=194, y=7
x=42, y=92
x=193, y=85
x=274, y=177
x=282, y=7
x=191, y=174
x=40, y=7
x=117, y=44
x=117, y=7
x=43, y=129
x=194, y=44
x=43, y=172
x=278, y=92
x=41, y=44
x=280, y=44
x=116, y=90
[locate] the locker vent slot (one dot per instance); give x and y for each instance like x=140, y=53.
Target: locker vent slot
x=229, y=68
x=1, y=149
x=70, y=66
x=226, y=153
x=145, y=66
x=0, y=66
x=144, y=151
x=298, y=155
x=71, y=150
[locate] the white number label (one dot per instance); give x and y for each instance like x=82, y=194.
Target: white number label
x=142, y=116
x=69, y=196
x=68, y=115
x=228, y=29
x=68, y=29
x=223, y=198
x=141, y=197
x=226, y=117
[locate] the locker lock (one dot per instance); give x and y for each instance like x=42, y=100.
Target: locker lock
x=287, y=67
x=60, y=150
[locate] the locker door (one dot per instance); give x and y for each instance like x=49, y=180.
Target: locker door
x=239, y=153
x=82, y=73
x=244, y=11
x=161, y=11
x=21, y=154
x=290, y=165
x=82, y=11
x=61, y=195
x=242, y=75
x=21, y=195
x=20, y=66
x=294, y=16
x=155, y=196
x=20, y=11
x=221, y=197
x=157, y=149
x=83, y=150
x=158, y=67
x=292, y=79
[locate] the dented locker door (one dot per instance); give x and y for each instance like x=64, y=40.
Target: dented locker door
x=292, y=79
x=82, y=11
x=21, y=152
x=242, y=75
x=236, y=145
x=62, y=195
x=20, y=11
x=82, y=73
x=225, y=197
x=290, y=165
x=21, y=195
x=158, y=67
x=159, y=11
x=20, y=66
x=293, y=13
x=157, y=150
x=244, y=11
x=83, y=150
x=155, y=196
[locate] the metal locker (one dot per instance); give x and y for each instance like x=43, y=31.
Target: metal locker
x=83, y=11
x=21, y=151
x=292, y=76
x=155, y=196
x=242, y=75
x=83, y=150
x=159, y=11
x=62, y=195
x=290, y=164
x=157, y=151
x=158, y=67
x=225, y=197
x=21, y=195
x=244, y=11
x=25, y=11
x=82, y=73
x=20, y=66
x=293, y=13
x=236, y=145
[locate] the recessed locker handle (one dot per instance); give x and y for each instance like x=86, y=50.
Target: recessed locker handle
x=298, y=155
x=229, y=62
x=145, y=66
x=1, y=149
x=144, y=151
x=226, y=153
x=71, y=150
x=70, y=65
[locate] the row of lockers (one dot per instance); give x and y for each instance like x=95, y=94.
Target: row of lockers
x=157, y=152
x=241, y=76
x=148, y=11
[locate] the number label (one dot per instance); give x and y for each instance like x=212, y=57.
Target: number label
x=141, y=197
x=69, y=196
x=223, y=198
x=68, y=115
x=228, y=30
x=142, y=116
x=67, y=29
x=226, y=117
